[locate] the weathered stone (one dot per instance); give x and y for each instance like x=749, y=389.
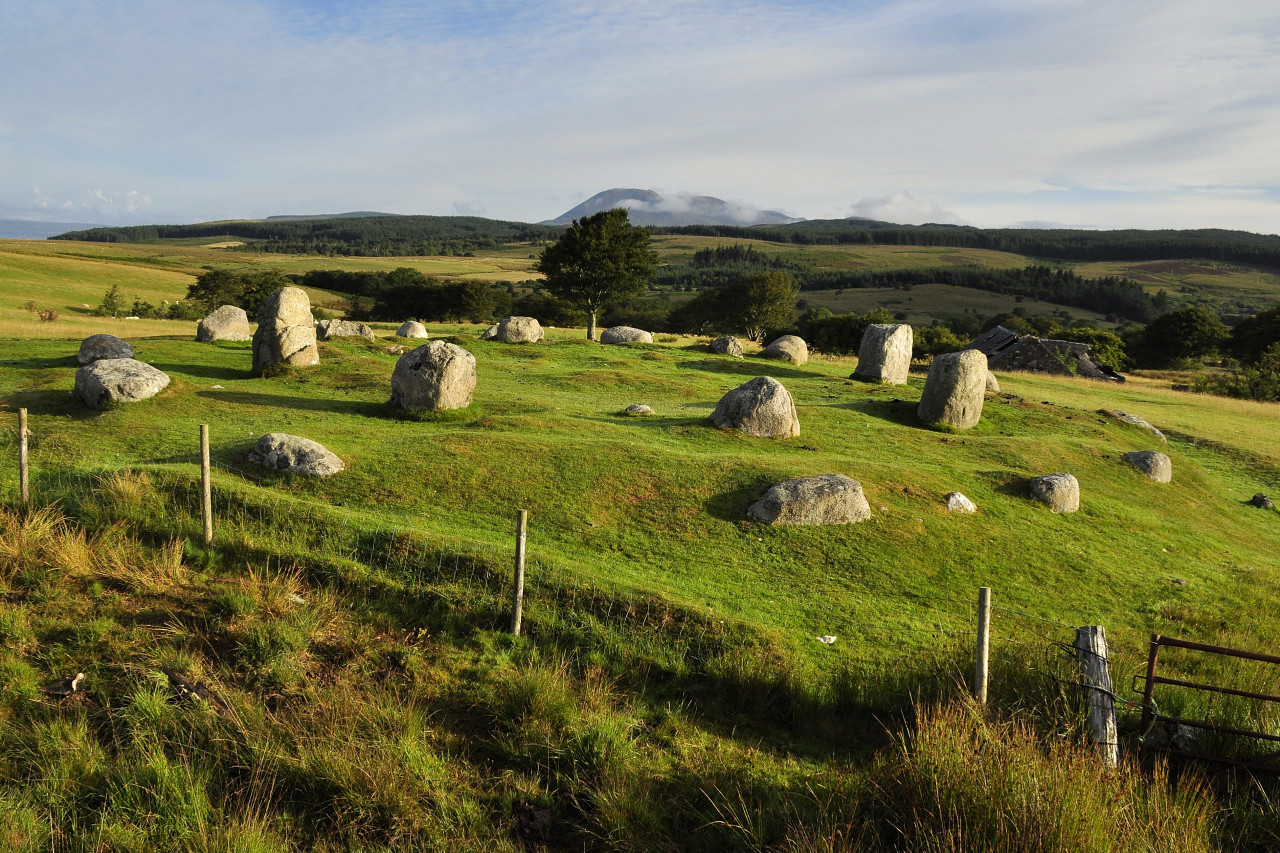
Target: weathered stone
x=885, y=354
x=118, y=380
x=993, y=384
x=957, y=502
x=294, y=455
x=1261, y=501
x=489, y=333
x=1155, y=465
x=519, y=330
x=625, y=335
x=327, y=329
x=638, y=410
x=1136, y=421
x=1060, y=491
x=727, y=345
x=97, y=347
x=954, y=389
x=788, y=348
x=412, y=329
x=824, y=499
x=761, y=407
x=286, y=330
x=435, y=376
x=226, y=323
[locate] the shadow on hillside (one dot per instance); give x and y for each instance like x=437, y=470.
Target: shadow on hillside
x=206, y=371
x=750, y=368
x=900, y=412
x=732, y=505
x=52, y=401
x=1009, y=483
x=40, y=363
x=646, y=421
x=305, y=404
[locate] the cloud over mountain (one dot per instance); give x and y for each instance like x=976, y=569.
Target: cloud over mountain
x=648, y=207
x=903, y=208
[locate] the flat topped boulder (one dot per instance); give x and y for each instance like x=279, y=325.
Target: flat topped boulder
x=118, y=380
x=824, y=499
x=97, y=347
x=727, y=345
x=286, y=330
x=625, y=335
x=954, y=390
x=1060, y=491
x=1152, y=463
x=293, y=454
x=519, y=330
x=761, y=407
x=327, y=329
x=885, y=354
x=412, y=329
x=225, y=323
x=790, y=348
x=437, y=375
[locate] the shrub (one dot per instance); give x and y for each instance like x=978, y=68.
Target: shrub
x=47, y=315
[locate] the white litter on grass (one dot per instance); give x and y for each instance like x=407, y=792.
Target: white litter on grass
x=216, y=387
x=826, y=638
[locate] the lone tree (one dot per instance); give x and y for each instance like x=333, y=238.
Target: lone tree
x=601, y=258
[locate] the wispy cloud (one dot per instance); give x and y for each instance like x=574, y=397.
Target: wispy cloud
x=905, y=209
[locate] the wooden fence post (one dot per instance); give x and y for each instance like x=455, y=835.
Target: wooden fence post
x=24, y=477
x=1095, y=671
x=984, y=646
x=206, y=486
x=517, y=595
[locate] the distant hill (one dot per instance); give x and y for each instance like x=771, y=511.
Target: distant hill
x=358, y=214
x=651, y=208
x=28, y=229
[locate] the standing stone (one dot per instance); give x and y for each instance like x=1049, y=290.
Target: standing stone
x=519, y=330
x=226, y=323
x=788, y=348
x=825, y=499
x=412, y=329
x=885, y=354
x=286, y=330
x=295, y=455
x=957, y=502
x=761, y=407
x=489, y=333
x=954, y=389
x=727, y=345
x=625, y=335
x=435, y=376
x=118, y=380
x=1155, y=465
x=327, y=329
x=1060, y=491
x=993, y=384
x=97, y=347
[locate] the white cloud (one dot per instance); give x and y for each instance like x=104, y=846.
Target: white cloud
x=904, y=209
x=106, y=204
x=468, y=208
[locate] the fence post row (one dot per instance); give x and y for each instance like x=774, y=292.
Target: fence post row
x=517, y=595
x=206, y=487
x=1095, y=670
x=23, y=476
x=984, y=646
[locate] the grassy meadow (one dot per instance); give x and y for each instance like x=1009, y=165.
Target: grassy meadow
x=669, y=691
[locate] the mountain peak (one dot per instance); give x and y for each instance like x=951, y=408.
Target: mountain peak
x=648, y=207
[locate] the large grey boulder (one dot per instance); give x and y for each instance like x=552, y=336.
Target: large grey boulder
x=727, y=345
x=118, y=380
x=519, y=330
x=286, y=330
x=489, y=333
x=788, y=348
x=225, y=323
x=1060, y=491
x=824, y=499
x=954, y=389
x=761, y=407
x=957, y=502
x=411, y=329
x=1130, y=418
x=294, y=455
x=625, y=335
x=327, y=329
x=1152, y=463
x=97, y=347
x=437, y=375
x=885, y=354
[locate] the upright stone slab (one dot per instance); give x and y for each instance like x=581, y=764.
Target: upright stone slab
x=225, y=323
x=118, y=380
x=97, y=347
x=954, y=389
x=519, y=330
x=885, y=354
x=993, y=384
x=761, y=407
x=824, y=499
x=790, y=348
x=286, y=330
x=625, y=335
x=435, y=376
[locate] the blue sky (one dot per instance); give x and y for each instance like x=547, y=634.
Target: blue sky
x=994, y=113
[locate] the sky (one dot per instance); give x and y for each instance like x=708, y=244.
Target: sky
x=994, y=113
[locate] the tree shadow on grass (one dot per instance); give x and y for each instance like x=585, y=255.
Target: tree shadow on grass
x=306, y=404
x=896, y=411
x=747, y=368
x=41, y=363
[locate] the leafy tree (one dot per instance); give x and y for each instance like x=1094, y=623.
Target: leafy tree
x=1255, y=335
x=219, y=287
x=839, y=335
x=601, y=258
x=1181, y=336
x=111, y=305
x=763, y=302
x=934, y=340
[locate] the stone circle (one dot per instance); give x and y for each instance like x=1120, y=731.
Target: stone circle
x=286, y=330
x=118, y=380
x=885, y=354
x=790, y=348
x=1155, y=465
x=954, y=390
x=437, y=375
x=761, y=407
x=1060, y=491
x=824, y=499
x=224, y=323
x=294, y=455
x=97, y=347
x=625, y=335
x=727, y=345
